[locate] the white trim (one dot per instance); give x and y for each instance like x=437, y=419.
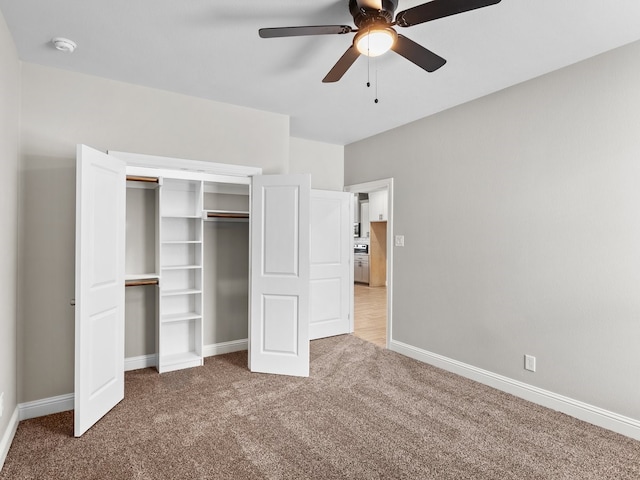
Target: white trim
x=7, y=438
x=225, y=347
x=62, y=403
x=155, y=161
x=186, y=175
x=146, y=361
x=575, y=408
x=143, y=361
x=367, y=187
x=46, y=406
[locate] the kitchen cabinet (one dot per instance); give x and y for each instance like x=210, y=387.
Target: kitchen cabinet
x=378, y=255
x=364, y=220
x=378, y=206
x=356, y=209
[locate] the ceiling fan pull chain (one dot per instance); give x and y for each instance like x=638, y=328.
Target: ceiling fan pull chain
x=368, y=62
x=376, y=99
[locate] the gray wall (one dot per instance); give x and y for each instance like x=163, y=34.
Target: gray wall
x=521, y=212
x=61, y=109
x=226, y=281
x=9, y=118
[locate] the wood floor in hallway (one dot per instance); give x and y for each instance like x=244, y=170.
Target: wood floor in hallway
x=370, y=305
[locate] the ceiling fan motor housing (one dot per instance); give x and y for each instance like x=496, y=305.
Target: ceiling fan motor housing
x=364, y=17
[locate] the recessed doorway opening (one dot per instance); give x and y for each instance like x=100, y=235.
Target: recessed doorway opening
x=373, y=230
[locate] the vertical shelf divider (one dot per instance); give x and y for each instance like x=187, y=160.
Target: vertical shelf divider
x=180, y=234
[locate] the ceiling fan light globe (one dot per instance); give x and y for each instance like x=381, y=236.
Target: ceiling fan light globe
x=375, y=42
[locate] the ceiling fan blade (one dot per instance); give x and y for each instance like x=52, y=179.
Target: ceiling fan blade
x=370, y=4
x=302, y=31
x=341, y=67
x=417, y=54
x=438, y=9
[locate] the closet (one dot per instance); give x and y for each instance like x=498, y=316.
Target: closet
x=165, y=238
x=197, y=207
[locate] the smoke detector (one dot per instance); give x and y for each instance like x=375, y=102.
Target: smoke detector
x=64, y=44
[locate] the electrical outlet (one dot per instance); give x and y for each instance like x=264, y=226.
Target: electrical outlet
x=399, y=240
x=1, y=403
x=530, y=363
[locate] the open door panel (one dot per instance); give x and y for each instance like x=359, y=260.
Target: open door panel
x=99, y=316
x=279, y=304
x=331, y=263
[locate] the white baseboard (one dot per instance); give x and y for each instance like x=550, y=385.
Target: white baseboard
x=225, y=347
x=583, y=411
x=575, y=408
x=62, y=403
x=143, y=361
x=146, y=361
x=46, y=406
x=7, y=437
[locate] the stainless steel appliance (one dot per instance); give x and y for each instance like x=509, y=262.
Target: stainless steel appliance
x=361, y=262
x=361, y=248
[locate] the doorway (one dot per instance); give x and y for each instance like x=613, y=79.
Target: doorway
x=373, y=297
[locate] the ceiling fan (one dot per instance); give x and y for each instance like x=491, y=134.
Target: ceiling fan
x=375, y=34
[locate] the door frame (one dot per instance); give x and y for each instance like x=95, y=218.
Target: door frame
x=367, y=187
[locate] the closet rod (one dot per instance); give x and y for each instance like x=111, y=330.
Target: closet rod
x=136, y=178
x=227, y=215
x=138, y=283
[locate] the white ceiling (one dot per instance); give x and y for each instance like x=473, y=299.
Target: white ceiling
x=211, y=49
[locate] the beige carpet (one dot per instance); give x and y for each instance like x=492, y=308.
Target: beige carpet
x=365, y=413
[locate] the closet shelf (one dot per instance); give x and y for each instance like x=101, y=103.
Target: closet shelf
x=179, y=358
x=140, y=283
x=180, y=317
x=185, y=291
x=177, y=215
x=181, y=267
x=135, y=280
x=179, y=242
x=139, y=178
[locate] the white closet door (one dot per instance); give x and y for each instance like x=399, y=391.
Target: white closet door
x=331, y=265
x=100, y=256
x=279, y=316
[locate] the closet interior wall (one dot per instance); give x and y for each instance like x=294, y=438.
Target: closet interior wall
x=141, y=302
x=226, y=266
